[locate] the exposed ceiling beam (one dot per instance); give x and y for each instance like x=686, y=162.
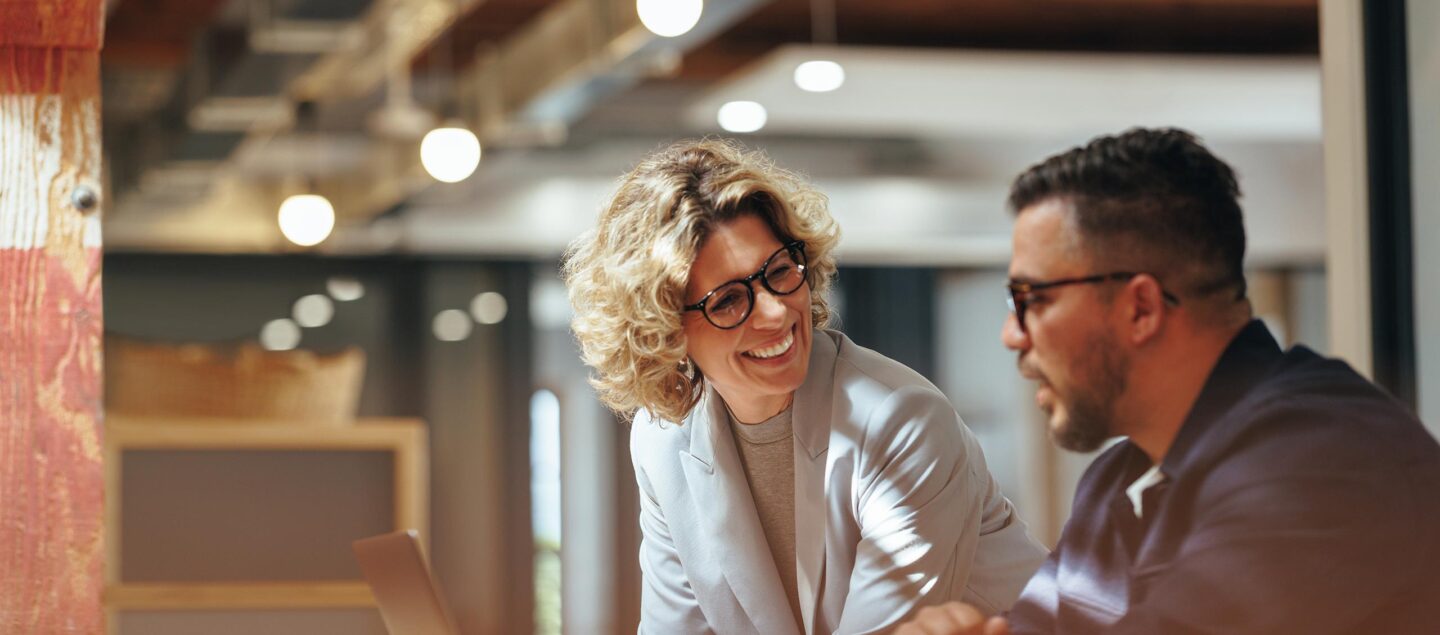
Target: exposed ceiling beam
x=541, y=78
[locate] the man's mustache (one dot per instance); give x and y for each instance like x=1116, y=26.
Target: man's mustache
x=1029, y=371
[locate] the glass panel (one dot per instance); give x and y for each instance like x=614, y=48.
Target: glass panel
x=545, y=508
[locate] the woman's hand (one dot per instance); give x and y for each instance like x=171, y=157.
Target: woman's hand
x=953, y=618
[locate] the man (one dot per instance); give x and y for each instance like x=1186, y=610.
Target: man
x=1257, y=491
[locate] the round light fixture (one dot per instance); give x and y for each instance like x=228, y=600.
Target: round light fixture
x=741, y=116
x=313, y=311
x=280, y=335
x=306, y=219
x=451, y=325
x=489, y=308
x=669, y=18
x=819, y=76
x=345, y=288
x=451, y=154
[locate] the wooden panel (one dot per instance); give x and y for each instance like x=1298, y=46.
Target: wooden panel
x=252, y=595
x=202, y=516
x=51, y=484
x=407, y=438
x=1347, y=184
x=370, y=434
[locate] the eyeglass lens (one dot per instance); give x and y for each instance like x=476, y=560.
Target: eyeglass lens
x=729, y=305
x=1016, y=303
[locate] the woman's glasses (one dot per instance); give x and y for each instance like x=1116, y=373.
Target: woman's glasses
x=728, y=305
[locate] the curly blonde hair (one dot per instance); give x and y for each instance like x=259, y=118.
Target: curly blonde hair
x=627, y=278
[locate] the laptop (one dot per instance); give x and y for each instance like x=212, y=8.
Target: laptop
x=408, y=596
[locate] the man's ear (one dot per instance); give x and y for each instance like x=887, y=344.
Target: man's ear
x=1145, y=302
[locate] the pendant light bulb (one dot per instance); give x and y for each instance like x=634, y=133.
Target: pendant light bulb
x=819, y=76
x=306, y=219
x=741, y=116
x=450, y=154
x=669, y=18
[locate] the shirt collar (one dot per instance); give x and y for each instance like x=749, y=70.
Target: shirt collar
x=1136, y=491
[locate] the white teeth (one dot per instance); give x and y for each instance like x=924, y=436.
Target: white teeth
x=773, y=351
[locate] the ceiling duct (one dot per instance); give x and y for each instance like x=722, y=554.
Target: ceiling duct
x=525, y=89
x=400, y=118
x=274, y=33
x=534, y=83
x=229, y=89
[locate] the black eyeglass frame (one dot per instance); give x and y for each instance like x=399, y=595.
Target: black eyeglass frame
x=802, y=261
x=1018, y=304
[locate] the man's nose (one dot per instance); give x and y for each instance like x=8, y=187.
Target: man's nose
x=1011, y=335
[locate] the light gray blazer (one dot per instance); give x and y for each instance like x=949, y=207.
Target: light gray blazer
x=894, y=510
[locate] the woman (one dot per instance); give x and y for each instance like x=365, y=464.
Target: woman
x=791, y=481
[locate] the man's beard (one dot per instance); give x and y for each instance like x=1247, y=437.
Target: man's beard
x=1090, y=411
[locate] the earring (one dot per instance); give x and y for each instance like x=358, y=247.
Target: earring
x=689, y=370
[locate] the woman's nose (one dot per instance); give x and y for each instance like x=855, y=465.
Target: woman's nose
x=769, y=309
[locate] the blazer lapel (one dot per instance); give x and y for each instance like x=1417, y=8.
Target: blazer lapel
x=721, y=495
x=811, y=422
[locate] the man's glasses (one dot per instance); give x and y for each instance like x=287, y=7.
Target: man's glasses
x=1020, y=292
x=728, y=305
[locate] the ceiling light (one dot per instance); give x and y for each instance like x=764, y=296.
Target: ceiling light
x=345, y=288
x=489, y=308
x=669, y=18
x=819, y=76
x=280, y=335
x=306, y=219
x=313, y=311
x=741, y=116
x=451, y=325
x=450, y=155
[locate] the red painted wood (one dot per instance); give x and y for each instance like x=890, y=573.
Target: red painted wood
x=75, y=24
x=51, y=482
x=51, y=477
x=38, y=71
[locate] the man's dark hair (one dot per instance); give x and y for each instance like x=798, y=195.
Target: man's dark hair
x=1149, y=200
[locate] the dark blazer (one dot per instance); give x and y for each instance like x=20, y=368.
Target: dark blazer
x=1300, y=499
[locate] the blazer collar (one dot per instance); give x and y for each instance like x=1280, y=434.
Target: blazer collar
x=706, y=423
x=811, y=405
x=812, y=466
x=726, y=511
x=716, y=477
x=1251, y=355
x=815, y=395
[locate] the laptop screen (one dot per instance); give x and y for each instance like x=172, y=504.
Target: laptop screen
x=408, y=596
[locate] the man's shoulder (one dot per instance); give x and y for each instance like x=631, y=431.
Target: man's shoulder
x=1322, y=409
x=1311, y=420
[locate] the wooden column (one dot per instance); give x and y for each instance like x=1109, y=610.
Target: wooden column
x=51, y=484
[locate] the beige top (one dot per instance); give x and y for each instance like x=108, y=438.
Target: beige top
x=767, y=452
